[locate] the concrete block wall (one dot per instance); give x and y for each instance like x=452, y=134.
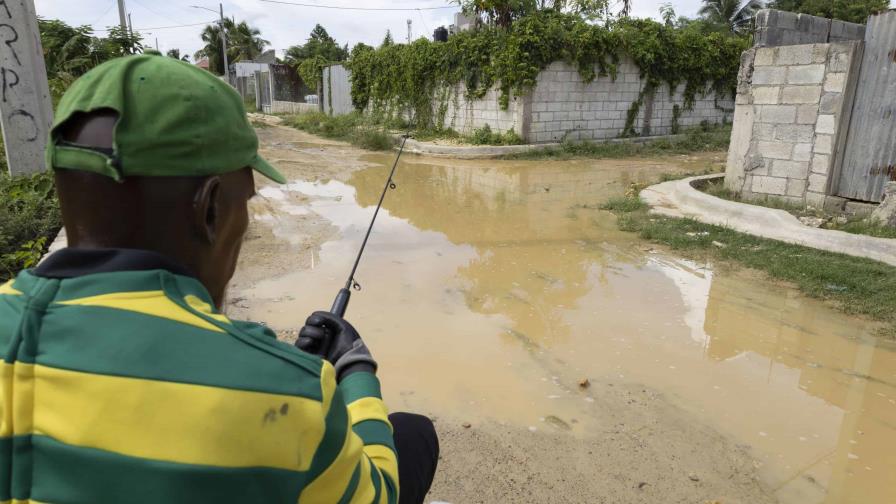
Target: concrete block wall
x=466, y=115
x=787, y=122
x=778, y=28
x=564, y=106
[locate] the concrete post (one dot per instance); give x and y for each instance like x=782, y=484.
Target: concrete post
x=26, y=110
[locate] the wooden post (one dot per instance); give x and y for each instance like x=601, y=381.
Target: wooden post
x=26, y=110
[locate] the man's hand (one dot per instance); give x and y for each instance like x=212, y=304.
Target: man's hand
x=335, y=340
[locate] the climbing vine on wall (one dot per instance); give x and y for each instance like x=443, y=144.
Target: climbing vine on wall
x=408, y=77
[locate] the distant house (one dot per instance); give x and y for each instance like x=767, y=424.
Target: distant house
x=202, y=63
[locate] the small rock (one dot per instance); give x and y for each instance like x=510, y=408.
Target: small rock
x=693, y=477
x=840, y=220
x=885, y=214
x=584, y=383
x=814, y=222
x=719, y=244
x=642, y=485
x=467, y=425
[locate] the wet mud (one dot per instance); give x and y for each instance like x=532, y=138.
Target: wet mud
x=492, y=289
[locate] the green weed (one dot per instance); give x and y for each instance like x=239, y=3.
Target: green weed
x=29, y=219
x=856, y=285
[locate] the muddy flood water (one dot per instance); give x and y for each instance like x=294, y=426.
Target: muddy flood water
x=491, y=289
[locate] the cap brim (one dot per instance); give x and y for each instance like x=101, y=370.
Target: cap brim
x=263, y=167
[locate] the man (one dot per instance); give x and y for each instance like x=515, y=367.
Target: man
x=121, y=380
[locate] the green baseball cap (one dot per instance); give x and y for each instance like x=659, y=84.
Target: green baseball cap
x=174, y=120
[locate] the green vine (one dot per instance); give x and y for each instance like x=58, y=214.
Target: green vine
x=676, y=114
x=407, y=76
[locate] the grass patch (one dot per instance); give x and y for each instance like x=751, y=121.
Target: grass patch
x=353, y=128
x=854, y=225
x=29, y=220
x=856, y=285
x=703, y=138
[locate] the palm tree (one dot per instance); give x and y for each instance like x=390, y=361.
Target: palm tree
x=626, y=8
x=245, y=42
x=175, y=53
x=730, y=13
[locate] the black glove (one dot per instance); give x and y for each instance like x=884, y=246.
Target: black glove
x=332, y=338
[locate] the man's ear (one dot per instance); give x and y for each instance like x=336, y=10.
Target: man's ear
x=205, y=209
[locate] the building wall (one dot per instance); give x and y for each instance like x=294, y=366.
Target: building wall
x=466, y=115
x=563, y=106
x=288, y=107
x=787, y=125
x=778, y=28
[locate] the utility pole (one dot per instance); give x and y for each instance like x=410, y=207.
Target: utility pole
x=122, y=17
x=224, y=43
x=26, y=110
x=130, y=26
x=157, y=43
x=409, y=31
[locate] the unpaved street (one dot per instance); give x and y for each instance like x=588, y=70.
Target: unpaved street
x=492, y=289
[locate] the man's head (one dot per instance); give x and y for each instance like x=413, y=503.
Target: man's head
x=151, y=153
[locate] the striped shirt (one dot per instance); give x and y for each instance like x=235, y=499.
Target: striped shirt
x=122, y=383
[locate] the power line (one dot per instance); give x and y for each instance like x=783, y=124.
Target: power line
x=111, y=5
x=360, y=8
x=157, y=13
x=164, y=27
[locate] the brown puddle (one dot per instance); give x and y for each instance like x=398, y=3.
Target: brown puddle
x=495, y=287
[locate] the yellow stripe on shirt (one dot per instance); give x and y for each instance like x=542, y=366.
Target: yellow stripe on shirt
x=153, y=303
x=167, y=421
x=332, y=482
x=368, y=408
x=384, y=458
x=8, y=290
x=365, y=491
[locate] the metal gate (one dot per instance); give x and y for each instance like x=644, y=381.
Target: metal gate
x=869, y=160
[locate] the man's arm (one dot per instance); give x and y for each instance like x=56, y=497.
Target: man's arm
x=356, y=461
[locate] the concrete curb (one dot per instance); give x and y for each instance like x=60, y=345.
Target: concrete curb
x=495, y=151
x=679, y=198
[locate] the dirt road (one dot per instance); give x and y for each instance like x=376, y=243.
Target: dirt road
x=491, y=290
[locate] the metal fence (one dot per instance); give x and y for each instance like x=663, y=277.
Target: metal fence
x=337, y=90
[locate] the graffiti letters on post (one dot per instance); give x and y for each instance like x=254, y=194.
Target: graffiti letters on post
x=25, y=108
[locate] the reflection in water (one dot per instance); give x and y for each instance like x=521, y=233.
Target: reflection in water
x=494, y=289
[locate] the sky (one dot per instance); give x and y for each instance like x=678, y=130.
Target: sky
x=282, y=25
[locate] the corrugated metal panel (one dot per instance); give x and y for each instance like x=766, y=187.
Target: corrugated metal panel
x=870, y=156
x=337, y=93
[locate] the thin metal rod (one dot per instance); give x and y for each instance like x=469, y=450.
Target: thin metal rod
x=351, y=276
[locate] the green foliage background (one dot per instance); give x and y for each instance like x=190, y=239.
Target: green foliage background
x=855, y=11
x=417, y=77
x=29, y=220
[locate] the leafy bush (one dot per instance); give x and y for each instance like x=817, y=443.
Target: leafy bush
x=485, y=136
x=29, y=220
x=414, y=76
x=353, y=128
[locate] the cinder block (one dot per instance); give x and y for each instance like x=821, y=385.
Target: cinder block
x=830, y=103
x=823, y=144
x=794, y=55
x=820, y=53
x=797, y=133
x=818, y=183
x=775, y=150
x=766, y=95
x=790, y=169
x=769, y=185
x=770, y=76
x=802, y=152
x=821, y=164
x=807, y=114
x=835, y=82
x=827, y=124
x=805, y=74
x=763, y=132
x=838, y=59
x=801, y=94
x=796, y=187
x=765, y=56
x=781, y=114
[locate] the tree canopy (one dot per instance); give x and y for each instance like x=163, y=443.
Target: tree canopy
x=319, y=43
x=243, y=43
x=502, y=13
x=734, y=15
x=854, y=11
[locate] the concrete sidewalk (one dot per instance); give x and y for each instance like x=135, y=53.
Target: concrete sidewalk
x=679, y=198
